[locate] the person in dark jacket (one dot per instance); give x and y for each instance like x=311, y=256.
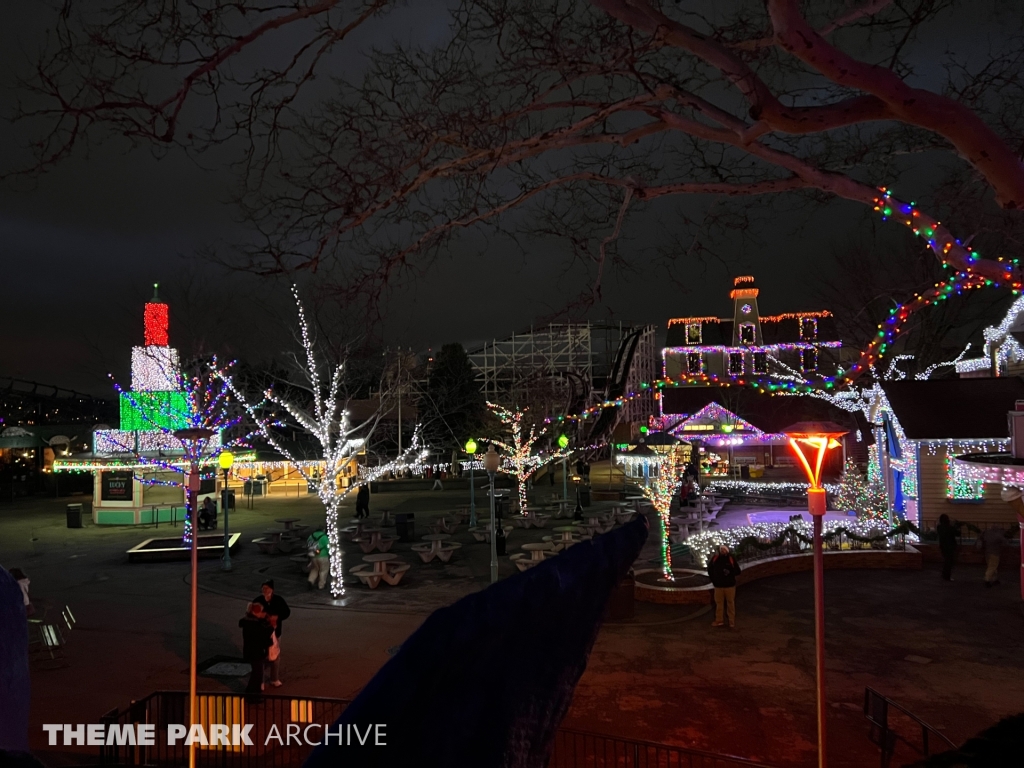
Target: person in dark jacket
x=257, y=637
x=947, y=545
x=363, y=501
x=273, y=604
x=723, y=570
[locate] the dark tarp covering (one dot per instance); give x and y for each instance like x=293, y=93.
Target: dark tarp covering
x=485, y=682
x=14, y=679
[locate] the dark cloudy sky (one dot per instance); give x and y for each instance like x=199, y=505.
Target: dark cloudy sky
x=81, y=245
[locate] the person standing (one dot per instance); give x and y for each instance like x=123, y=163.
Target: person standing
x=992, y=542
x=320, y=562
x=363, y=500
x=947, y=545
x=723, y=570
x=276, y=610
x=23, y=582
x=257, y=637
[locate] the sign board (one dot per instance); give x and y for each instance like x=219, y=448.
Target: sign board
x=117, y=486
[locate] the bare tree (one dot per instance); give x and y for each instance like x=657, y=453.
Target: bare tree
x=586, y=111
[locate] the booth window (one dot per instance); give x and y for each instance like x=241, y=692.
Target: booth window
x=735, y=363
x=760, y=362
x=746, y=333
x=693, y=333
x=693, y=362
x=808, y=329
x=809, y=359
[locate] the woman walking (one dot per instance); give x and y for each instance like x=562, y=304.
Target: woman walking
x=947, y=545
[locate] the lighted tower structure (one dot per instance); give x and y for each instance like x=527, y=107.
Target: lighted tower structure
x=157, y=400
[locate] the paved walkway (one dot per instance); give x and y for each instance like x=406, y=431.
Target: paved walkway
x=664, y=676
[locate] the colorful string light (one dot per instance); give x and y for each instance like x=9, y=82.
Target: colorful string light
x=662, y=489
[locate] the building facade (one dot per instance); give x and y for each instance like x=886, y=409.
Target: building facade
x=749, y=345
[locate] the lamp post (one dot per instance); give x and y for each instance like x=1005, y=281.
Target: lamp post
x=189, y=439
x=578, y=512
x=471, y=450
x=491, y=463
x=820, y=437
x=225, y=460
x=563, y=443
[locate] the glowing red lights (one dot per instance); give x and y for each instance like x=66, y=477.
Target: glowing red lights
x=156, y=321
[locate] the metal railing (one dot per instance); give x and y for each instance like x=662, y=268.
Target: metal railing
x=878, y=710
x=571, y=749
x=579, y=749
x=163, y=708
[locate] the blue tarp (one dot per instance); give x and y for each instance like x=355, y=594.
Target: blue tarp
x=485, y=682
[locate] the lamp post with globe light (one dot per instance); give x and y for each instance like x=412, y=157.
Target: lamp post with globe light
x=563, y=443
x=225, y=460
x=471, y=450
x=491, y=463
x=819, y=437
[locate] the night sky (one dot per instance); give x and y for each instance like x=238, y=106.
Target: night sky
x=81, y=245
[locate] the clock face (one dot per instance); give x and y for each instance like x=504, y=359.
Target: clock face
x=746, y=309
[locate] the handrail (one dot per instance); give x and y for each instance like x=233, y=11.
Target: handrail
x=876, y=710
x=636, y=747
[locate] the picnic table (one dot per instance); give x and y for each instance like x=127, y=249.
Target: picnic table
x=568, y=535
x=483, y=532
x=530, y=520
x=376, y=538
x=537, y=552
x=383, y=567
x=385, y=519
x=599, y=522
x=438, y=547
x=443, y=525
x=288, y=522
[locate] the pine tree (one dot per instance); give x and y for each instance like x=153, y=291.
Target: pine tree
x=853, y=488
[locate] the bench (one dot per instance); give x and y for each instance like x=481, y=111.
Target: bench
x=46, y=641
x=302, y=561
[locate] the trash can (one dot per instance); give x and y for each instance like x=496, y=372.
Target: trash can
x=621, y=601
x=405, y=526
x=74, y=515
x=499, y=540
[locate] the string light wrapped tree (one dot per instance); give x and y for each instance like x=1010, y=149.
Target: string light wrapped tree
x=325, y=417
x=863, y=495
x=523, y=459
x=671, y=468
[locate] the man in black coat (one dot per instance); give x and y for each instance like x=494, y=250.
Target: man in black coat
x=363, y=501
x=256, y=640
x=273, y=604
x=723, y=570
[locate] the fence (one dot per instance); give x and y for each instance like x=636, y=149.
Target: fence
x=577, y=749
x=162, y=708
x=892, y=725
x=572, y=749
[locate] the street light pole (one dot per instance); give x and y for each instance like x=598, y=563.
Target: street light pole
x=193, y=484
x=820, y=436
x=225, y=460
x=471, y=450
x=491, y=465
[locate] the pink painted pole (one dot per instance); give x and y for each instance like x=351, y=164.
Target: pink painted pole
x=1020, y=522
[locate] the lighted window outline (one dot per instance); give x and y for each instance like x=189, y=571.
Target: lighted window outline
x=760, y=362
x=694, y=362
x=734, y=368
x=747, y=333
x=693, y=333
x=809, y=359
x=808, y=329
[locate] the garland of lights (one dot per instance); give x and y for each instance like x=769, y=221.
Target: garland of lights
x=748, y=540
x=328, y=423
x=670, y=470
x=521, y=462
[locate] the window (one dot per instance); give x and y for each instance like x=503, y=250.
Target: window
x=693, y=333
x=809, y=360
x=760, y=362
x=746, y=333
x=735, y=363
x=808, y=329
x=693, y=362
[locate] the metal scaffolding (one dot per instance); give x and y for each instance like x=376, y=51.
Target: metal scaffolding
x=567, y=367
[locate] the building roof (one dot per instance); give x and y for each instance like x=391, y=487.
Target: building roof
x=954, y=409
x=769, y=413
